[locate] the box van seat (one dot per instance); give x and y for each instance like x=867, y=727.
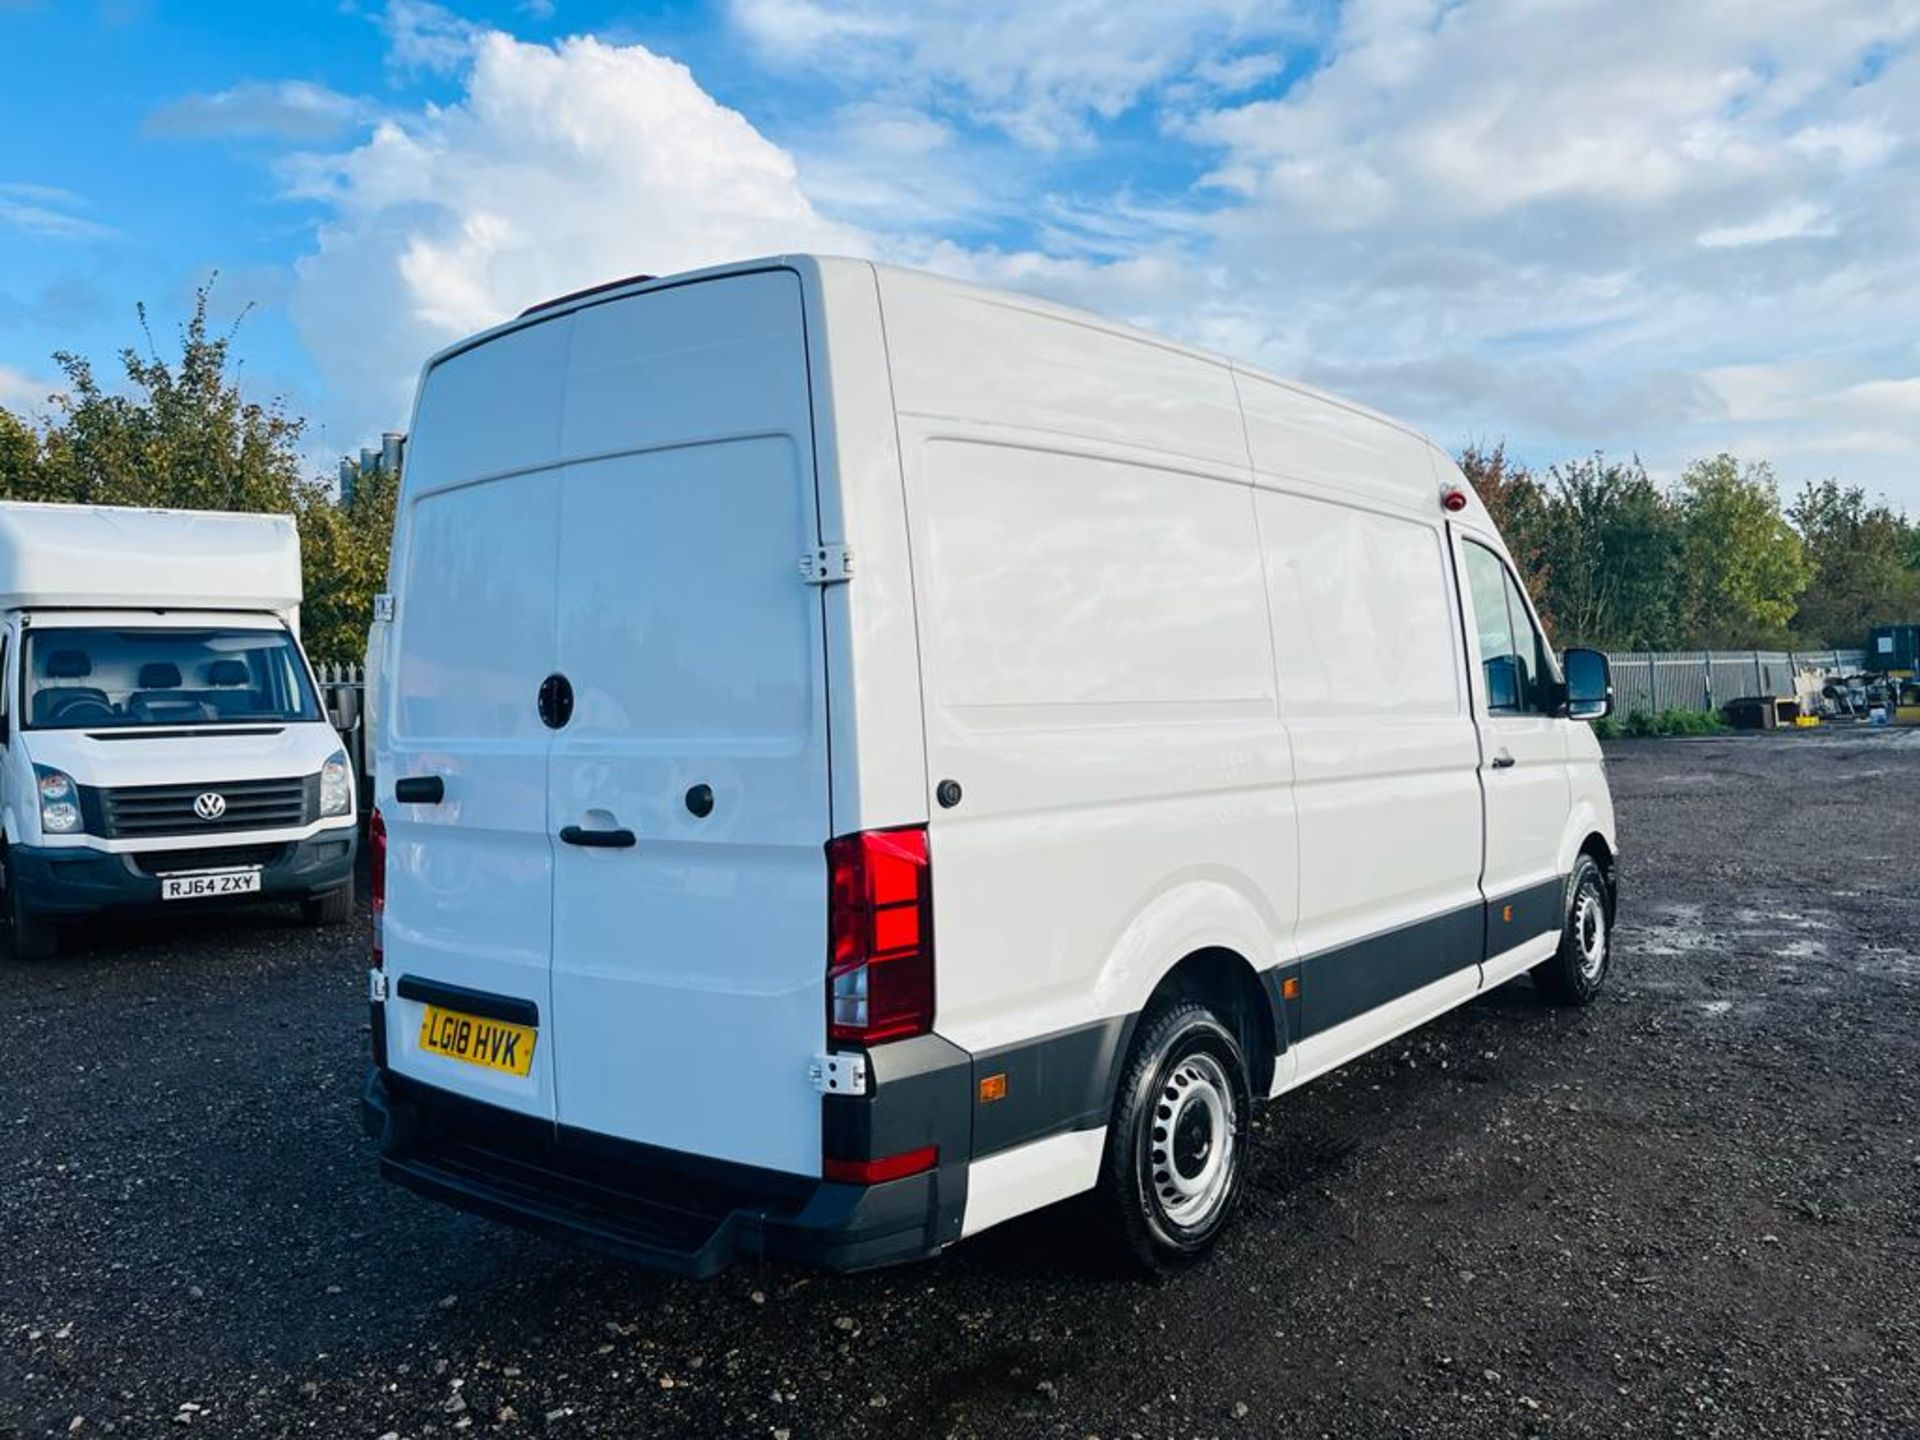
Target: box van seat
x=69, y=665
x=160, y=698
x=225, y=693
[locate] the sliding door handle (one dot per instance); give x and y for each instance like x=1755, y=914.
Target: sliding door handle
x=1502, y=760
x=420, y=790
x=598, y=839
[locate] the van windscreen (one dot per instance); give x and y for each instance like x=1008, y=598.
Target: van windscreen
x=97, y=678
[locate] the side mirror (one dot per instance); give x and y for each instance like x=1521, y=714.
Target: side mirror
x=1589, y=685
x=1503, y=682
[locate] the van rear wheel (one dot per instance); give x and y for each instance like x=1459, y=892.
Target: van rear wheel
x=1575, y=972
x=1175, y=1162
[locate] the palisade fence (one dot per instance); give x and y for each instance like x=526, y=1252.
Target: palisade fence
x=1655, y=680
x=343, y=690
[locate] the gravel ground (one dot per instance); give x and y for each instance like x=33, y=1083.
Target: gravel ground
x=1692, y=1209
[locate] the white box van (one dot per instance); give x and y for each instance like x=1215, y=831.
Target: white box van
x=865, y=757
x=161, y=739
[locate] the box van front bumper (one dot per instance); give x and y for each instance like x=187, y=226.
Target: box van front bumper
x=683, y=1214
x=79, y=880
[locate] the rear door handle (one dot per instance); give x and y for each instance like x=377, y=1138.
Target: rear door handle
x=1502, y=760
x=598, y=839
x=420, y=790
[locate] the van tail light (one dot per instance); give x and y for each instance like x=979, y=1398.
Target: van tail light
x=879, y=936
x=377, y=842
x=875, y=1172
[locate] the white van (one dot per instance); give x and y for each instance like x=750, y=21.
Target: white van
x=161, y=740
x=865, y=757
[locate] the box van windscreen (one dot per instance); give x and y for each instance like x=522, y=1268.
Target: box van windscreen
x=99, y=678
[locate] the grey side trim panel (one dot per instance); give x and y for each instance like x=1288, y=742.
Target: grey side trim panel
x=1518, y=917
x=1064, y=1082
x=1055, y=1084
x=1337, y=985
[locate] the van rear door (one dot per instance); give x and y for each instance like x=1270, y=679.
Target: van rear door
x=620, y=496
x=468, y=926
x=688, y=965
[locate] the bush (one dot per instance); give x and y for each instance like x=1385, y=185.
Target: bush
x=1641, y=724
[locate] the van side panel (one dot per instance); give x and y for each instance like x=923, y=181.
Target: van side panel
x=1098, y=675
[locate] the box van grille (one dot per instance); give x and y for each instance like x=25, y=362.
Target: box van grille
x=137, y=810
x=217, y=857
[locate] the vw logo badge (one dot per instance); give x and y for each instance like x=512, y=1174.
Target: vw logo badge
x=210, y=806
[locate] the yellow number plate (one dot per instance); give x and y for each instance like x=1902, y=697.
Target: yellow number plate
x=494, y=1044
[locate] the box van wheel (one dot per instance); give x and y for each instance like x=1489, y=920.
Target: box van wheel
x=333, y=908
x=1575, y=972
x=33, y=937
x=1176, y=1155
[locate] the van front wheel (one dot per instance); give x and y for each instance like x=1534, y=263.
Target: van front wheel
x=1176, y=1150
x=333, y=908
x=33, y=936
x=1574, y=973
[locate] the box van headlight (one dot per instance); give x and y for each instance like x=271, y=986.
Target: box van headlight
x=59, y=801
x=336, y=790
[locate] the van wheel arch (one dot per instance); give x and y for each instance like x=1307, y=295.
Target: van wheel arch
x=1596, y=846
x=1227, y=984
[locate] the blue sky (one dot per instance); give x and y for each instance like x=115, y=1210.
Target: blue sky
x=1618, y=224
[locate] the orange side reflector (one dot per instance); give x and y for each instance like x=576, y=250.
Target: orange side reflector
x=1290, y=988
x=993, y=1087
x=1506, y=913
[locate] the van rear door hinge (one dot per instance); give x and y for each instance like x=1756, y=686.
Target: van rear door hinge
x=826, y=565
x=844, y=1074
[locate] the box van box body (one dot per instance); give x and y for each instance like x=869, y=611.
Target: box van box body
x=163, y=737
x=864, y=757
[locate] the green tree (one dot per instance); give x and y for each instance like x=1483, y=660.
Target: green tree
x=344, y=553
x=1614, y=548
x=1742, y=565
x=1519, y=505
x=182, y=435
x=1865, y=560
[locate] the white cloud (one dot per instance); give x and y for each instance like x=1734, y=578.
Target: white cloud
x=47, y=211
x=22, y=393
x=1566, y=222
x=1036, y=71
x=1789, y=222
x=298, y=111
x=1622, y=223
x=558, y=167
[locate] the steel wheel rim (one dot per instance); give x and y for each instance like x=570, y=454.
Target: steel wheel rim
x=1188, y=1145
x=1590, y=932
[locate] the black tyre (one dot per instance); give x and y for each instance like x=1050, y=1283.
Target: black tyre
x=333, y=908
x=32, y=937
x=1176, y=1154
x=1577, y=970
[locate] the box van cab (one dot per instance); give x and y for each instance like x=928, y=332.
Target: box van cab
x=865, y=757
x=161, y=741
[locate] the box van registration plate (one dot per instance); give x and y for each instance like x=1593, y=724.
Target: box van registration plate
x=213, y=882
x=494, y=1044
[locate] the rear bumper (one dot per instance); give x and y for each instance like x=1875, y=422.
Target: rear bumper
x=78, y=880
x=678, y=1213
